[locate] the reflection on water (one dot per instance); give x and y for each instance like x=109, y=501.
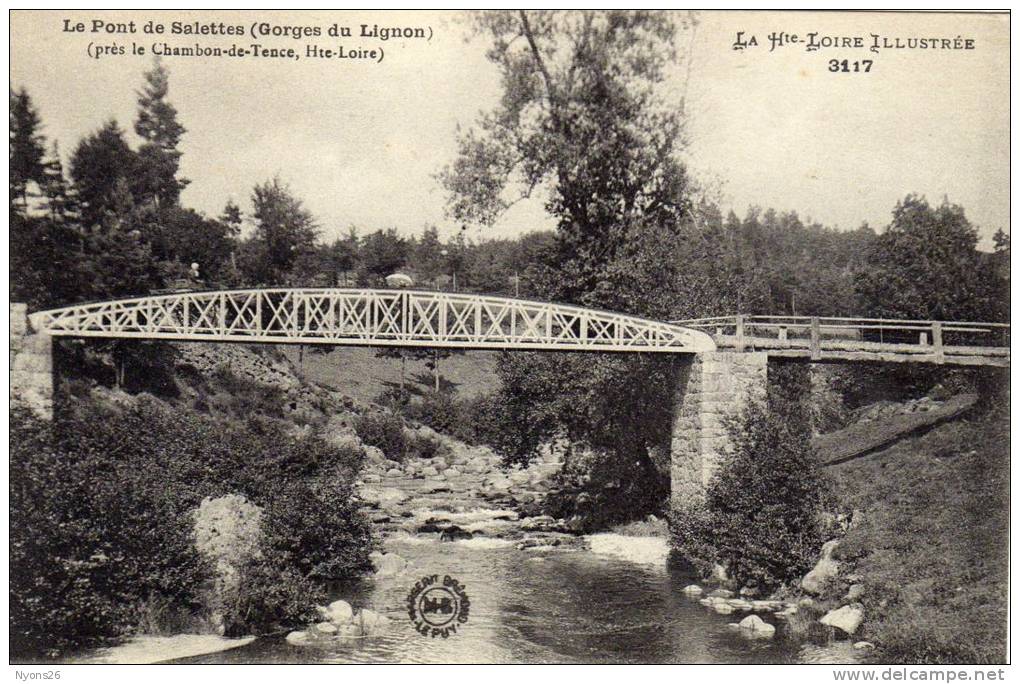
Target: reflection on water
x=538, y=607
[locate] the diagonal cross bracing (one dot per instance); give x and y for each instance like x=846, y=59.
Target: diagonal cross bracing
x=370, y=317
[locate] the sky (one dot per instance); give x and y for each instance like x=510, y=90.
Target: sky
x=360, y=141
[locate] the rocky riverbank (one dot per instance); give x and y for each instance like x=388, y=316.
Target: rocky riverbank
x=463, y=495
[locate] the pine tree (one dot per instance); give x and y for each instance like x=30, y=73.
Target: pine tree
x=98, y=164
x=60, y=201
x=26, y=146
x=159, y=157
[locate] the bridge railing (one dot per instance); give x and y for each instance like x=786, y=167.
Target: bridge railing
x=817, y=333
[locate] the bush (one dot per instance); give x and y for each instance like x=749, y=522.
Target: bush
x=439, y=410
x=271, y=595
x=424, y=446
x=93, y=536
x=761, y=515
x=314, y=527
x=101, y=525
x=246, y=397
x=384, y=430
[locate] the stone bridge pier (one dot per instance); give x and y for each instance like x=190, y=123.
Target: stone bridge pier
x=711, y=385
x=31, y=365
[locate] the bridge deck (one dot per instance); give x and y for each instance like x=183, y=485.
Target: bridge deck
x=836, y=340
x=370, y=317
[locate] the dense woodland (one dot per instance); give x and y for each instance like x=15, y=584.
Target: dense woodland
x=107, y=221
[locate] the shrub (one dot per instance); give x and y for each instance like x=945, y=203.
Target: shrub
x=481, y=421
x=313, y=526
x=270, y=595
x=439, y=410
x=424, y=446
x=760, y=518
x=101, y=519
x=93, y=536
x=384, y=430
x=246, y=397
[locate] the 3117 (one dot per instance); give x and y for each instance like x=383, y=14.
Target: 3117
x=845, y=66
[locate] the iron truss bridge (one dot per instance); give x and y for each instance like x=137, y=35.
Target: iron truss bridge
x=367, y=317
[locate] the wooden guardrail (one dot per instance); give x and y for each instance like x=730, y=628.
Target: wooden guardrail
x=882, y=339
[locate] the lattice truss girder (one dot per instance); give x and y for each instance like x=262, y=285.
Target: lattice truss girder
x=369, y=317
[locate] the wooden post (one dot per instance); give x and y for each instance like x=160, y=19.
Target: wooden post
x=740, y=333
x=816, y=339
x=782, y=333
x=936, y=339
x=923, y=340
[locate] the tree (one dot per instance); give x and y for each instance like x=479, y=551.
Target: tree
x=382, y=253
x=427, y=255
x=100, y=163
x=926, y=266
x=27, y=146
x=283, y=230
x=579, y=117
x=158, y=157
x=61, y=204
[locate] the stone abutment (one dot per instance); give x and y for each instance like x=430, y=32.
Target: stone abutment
x=31, y=365
x=710, y=387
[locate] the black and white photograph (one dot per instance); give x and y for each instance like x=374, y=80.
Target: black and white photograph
x=502, y=337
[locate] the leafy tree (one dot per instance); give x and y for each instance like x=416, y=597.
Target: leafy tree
x=119, y=260
x=579, y=117
x=382, y=253
x=426, y=258
x=926, y=266
x=158, y=156
x=45, y=261
x=27, y=146
x=183, y=236
x=284, y=229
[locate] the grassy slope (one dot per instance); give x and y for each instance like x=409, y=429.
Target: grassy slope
x=361, y=375
x=932, y=549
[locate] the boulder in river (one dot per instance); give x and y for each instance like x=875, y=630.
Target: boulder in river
x=845, y=618
x=370, y=622
x=389, y=565
x=740, y=604
x=453, y=533
x=297, y=638
x=339, y=612
x=757, y=626
x=324, y=628
x=854, y=593
x=693, y=590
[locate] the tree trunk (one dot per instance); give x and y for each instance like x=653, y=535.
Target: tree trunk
x=436, y=368
x=403, y=362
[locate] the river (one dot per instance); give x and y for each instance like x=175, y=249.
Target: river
x=561, y=599
x=571, y=606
